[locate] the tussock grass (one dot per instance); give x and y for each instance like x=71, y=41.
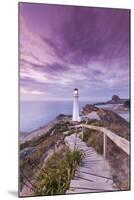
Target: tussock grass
x=59, y=170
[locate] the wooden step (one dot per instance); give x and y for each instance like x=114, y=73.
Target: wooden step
x=80, y=191
x=93, y=174
x=93, y=178
x=90, y=185
x=96, y=172
x=92, y=159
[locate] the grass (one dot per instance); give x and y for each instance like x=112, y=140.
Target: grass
x=28, y=163
x=95, y=122
x=59, y=170
x=94, y=139
x=34, y=157
x=42, y=144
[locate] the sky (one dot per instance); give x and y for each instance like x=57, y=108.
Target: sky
x=63, y=47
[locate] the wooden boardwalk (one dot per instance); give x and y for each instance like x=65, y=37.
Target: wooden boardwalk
x=94, y=172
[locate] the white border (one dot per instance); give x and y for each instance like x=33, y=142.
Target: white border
x=9, y=100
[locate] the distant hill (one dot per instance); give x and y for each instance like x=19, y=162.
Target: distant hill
x=115, y=100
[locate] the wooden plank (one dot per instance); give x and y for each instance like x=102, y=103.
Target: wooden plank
x=94, y=171
x=91, y=160
x=77, y=177
x=92, y=177
x=80, y=191
x=119, y=141
x=90, y=185
x=104, y=145
x=95, y=168
x=98, y=128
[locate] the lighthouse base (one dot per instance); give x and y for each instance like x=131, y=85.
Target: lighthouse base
x=78, y=119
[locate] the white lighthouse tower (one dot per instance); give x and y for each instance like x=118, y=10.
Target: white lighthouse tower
x=76, y=116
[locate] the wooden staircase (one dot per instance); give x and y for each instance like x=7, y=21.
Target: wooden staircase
x=94, y=172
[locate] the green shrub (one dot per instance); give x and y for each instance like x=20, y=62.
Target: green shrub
x=55, y=177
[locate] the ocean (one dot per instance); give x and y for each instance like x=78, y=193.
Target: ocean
x=36, y=114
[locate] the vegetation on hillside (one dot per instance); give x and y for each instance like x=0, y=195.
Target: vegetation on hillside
x=55, y=177
x=57, y=129
x=34, y=152
x=94, y=139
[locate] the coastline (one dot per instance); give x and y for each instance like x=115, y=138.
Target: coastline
x=124, y=113
x=44, y=129
x=38, y=131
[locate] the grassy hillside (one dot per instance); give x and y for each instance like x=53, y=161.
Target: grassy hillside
x=34, y=152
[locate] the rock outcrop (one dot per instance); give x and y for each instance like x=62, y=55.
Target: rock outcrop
x=115, y=100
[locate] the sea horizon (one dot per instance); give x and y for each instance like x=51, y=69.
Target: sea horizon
x=34, y=114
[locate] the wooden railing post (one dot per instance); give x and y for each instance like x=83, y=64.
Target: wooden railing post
x=75, y=138
x=104, y=144
x=82, y=132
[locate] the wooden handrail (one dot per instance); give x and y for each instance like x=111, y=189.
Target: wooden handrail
x=119, y=141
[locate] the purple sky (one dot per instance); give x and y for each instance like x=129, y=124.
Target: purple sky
x=63, y=47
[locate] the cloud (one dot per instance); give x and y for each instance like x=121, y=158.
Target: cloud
x=91, y=34
x=26, y=91
x=79, y=47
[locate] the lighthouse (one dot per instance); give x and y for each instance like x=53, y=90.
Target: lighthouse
x=76, y=116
